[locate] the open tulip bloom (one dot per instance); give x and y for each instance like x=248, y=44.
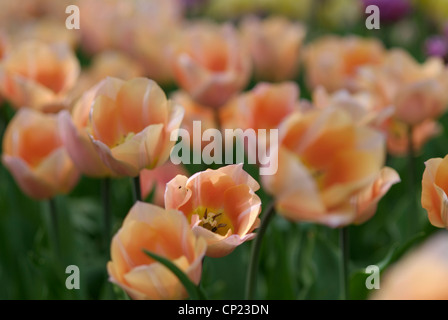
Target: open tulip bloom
x=221, y=206
x=130, y=123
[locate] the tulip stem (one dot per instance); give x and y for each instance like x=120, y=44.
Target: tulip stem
x=255, y=253
x=344, y=261
x=136, y=189
x=55, y=225
x=412, y=192
x=105, y=196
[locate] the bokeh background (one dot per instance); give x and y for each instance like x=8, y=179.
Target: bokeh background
x=298, y=260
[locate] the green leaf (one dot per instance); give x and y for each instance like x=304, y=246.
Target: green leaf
x=358, y=289
x=194, y=292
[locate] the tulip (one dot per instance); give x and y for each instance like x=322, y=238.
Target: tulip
x=418, y=92
x=74, y=132
x=338, y=163
x=152, y=48
x=398, y=136
x=155, y=181
x=434, y=191
x=34, y=154
x=264, y=107
x=4, y=45
x=38, y=75
x=106, y=64
x=275, y=45
x=47, y=31
x=221, y=206
x=333, y=62
x=362, y=106
x=165, y=233
x=366, y=201
x=130, y=125
x=98, y=31
x=211, y=64
x=421, y=274
x=195, y=112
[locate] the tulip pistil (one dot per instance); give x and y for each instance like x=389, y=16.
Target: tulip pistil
x=215, y=222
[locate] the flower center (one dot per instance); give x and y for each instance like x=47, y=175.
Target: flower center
x=214, y=220
x=317, y=174
x=125, y=138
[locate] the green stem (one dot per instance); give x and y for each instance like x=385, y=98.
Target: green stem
x=344, y=261
x=136, y=189
x=55, y=225
x=256, y=246
x=105, y=197
x=411, y=219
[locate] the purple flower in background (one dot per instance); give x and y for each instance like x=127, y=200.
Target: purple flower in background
x=192, y=4
x=390, y=10
x=436, y=46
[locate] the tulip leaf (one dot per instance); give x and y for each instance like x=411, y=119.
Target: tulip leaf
x=358, y=288
x=194, y=292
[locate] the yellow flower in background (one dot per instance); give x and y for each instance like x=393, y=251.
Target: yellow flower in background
x=339, y=13
x=227, y=9
x=436, y=9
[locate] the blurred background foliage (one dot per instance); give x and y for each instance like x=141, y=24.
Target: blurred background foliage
x=298, y=261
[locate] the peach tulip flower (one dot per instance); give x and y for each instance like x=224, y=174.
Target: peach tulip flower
x=418, y=92
x=106, y=64
x=434, y=191
x=362, y=105
x=333, y=62
x=38, y=75
x=34, y=154
x=275, y=45
x=48, y=31
x=221, y=206
x=156, y=180
x=4, y=45
x=263, y=107
x=398, y=135
x=151, y=45
x=99, y=31
x=421, y=274
x=195, y=112
x=75, y=134
x=131, y=123
x=338, y=164
x=211, y=64
x=165, y=233
x=369, y=109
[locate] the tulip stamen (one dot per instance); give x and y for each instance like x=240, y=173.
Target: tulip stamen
x=210, y=221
